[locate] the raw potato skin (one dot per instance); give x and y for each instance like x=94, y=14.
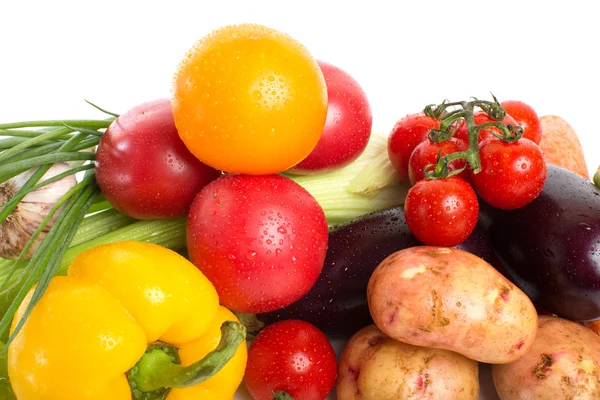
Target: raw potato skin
x=563, y=363
x=561, y=146
x=374, y=366
x=450, y=299
x=595, y=326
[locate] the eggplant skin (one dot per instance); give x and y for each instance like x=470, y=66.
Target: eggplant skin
x=337, y=303
x=551, y=247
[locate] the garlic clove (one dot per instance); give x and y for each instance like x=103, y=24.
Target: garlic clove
x=20, y=225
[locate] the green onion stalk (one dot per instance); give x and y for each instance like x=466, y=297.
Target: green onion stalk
x=82, y=218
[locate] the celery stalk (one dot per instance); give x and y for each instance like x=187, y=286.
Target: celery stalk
x=368, y=184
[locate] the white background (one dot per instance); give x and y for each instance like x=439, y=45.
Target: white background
x=404, y=54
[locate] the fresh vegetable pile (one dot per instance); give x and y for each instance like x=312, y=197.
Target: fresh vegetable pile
x=140, y=252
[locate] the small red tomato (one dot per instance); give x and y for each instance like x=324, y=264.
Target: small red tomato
x=526, y=117
x=481, y=117
x=143, y=168
x=406, y=135
x=293, y=357
x=261, y=240
x=427, y=153
x=347, y=128
x=441, y=212
x=512, y=174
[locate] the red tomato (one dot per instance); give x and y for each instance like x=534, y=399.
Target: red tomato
x=481, y=117
x=512, y=174
x=144, y=169
x=261, y=240
x=406, y=135
x=293, y=357
x=347, y=128
x=441, y=212
x=427, y=152
x=526, y=117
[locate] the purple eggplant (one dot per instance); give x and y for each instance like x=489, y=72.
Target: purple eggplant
x=551, y=247
x=337, y=304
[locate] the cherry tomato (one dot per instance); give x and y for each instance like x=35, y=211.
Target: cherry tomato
x=249, y=99
x=143, y=168
x=441, y=212
x=427, y=152
x=512, y=174
x=260, y=239
x=481, y=117
x=347, y=128
x=406, y=135
x=293, y=357
x=526, y=118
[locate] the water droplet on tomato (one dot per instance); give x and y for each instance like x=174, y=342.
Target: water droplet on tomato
x=250, y=255
x=257, y=94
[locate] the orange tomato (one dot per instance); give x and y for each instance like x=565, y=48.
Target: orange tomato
x=249, y=99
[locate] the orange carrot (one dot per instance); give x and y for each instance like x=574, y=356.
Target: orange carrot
x=561, y=145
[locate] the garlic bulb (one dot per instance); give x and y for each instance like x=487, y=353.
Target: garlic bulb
x=19, y=226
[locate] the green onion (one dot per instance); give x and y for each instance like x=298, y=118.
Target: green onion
x=368, y=184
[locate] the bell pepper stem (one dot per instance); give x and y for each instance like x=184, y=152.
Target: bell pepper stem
x=159, y=370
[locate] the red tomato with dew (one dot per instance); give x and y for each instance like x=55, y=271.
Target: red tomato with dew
x=347, y=128
x=481, y=117
x=427, y=153
x=512, y=174
x=441, y=212
x=526, y=118
x=293, y=357
x=260, y=239
x=143, y=168
x=406, y=135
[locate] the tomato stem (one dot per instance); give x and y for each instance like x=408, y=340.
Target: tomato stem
x=281, y=395
x=449, y=120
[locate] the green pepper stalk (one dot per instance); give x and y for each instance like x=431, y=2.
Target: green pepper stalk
x=159, y=369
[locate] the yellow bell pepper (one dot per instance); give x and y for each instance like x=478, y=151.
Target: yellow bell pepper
x=130, y=321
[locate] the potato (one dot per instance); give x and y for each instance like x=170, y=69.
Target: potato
x=450, y=299
x=563, y=363
x=594, y=325
x=374, y=366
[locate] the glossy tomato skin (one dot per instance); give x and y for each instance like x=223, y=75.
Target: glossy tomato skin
x=405, y=136
x=512, y=174
x=347, y=128
x=249, y=99
x=260, y=239
x=481, y=117
x=526, y=118
x=292, y=356
x=441, y=212
x=144, y=169
x=427, y=152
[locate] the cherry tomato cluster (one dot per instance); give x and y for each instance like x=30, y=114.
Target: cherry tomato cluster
x=453, y=156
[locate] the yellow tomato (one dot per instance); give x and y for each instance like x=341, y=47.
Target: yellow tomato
x=249, y=99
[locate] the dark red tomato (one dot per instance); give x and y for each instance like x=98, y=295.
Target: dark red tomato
x=512, y=174
x=441, y=212
x=261, y=240
x=481, y=117
x=406, y=135
x=144, y=169
x=347, y=128
x=293, y=357
x=526, y=118
x=427, y=152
